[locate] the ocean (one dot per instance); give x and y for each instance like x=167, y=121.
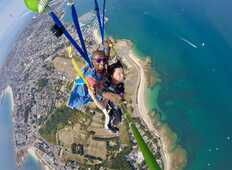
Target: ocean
x=7, y=154
x=7, y=151
x=190, y=44
x=13, y=18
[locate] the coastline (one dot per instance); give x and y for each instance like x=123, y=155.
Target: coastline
x=141, y=102
x=162, y=131
x=32, y=151
x=167, y=137
x=22, y=84
x=143, y=108
x=8, y=92
x=141, y=99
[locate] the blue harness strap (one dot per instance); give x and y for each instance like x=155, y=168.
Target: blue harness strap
x=78, y=30
x=83, y=52
x=101, y=22
x=68, y=36
x=103, y=18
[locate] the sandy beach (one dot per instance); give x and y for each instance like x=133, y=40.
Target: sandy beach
x=173, y=158
x=142, y=107
x=32, y=151
x=143, y=111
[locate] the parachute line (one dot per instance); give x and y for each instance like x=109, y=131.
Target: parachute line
x=103, y=19
x=69, y=37
x=78, y=29
x=100, y=22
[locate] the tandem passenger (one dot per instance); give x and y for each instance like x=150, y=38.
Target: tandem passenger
x=113, y=94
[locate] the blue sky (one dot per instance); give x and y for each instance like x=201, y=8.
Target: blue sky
x=10, y=12
x=11, y=20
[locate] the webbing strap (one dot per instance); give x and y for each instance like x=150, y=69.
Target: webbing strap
x=103, y=19
x=78, y=29
x=70, y=38
x=101, y=22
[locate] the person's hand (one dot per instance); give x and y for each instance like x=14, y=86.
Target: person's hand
x=109, y=42
x=115, y=98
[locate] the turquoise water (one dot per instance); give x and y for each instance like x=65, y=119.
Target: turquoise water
x=13, y=20
x=31, y=164
x=7, y=155
x=7, y=152
x=190, y=45
x=195, y=92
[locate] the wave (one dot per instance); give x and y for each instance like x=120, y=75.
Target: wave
x=188, y=42
x=8, y=92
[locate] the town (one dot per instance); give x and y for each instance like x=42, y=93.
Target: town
x=63, y=138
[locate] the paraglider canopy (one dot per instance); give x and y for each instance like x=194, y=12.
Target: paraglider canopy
x=32, y=5
x=36, y=5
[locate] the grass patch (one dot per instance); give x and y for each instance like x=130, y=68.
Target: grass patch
x=124, y=135
x=120, y=162
x=58, y=120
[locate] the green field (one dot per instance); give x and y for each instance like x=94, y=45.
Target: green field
x=58, y=120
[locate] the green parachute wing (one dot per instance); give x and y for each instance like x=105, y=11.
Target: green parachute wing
x=32, y=5
x=37, y=5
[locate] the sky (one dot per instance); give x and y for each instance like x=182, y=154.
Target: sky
x=10, y=12
x=12, y=15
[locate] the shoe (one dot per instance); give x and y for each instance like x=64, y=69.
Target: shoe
x=112, y=128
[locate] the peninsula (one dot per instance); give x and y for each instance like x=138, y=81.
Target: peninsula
x=40, y=75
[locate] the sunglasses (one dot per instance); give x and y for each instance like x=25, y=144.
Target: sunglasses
x=100, y=59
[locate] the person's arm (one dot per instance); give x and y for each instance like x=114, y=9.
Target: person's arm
x=92, y=92
x=91, y=81
x=100, y=106
x=115, y=98
x=93, y=96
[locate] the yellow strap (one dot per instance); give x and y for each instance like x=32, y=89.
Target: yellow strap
x=76, y=67
x=69, y=51
x=79, y=72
